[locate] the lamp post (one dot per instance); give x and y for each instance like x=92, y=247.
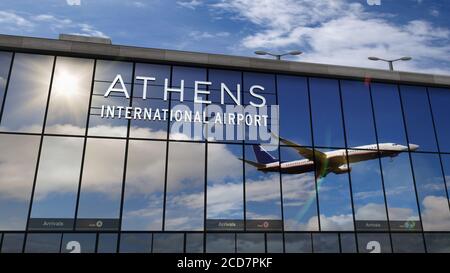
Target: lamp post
x=391, y=62
x=278, y=56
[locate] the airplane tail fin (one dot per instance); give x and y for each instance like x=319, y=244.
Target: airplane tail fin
x=262, y=156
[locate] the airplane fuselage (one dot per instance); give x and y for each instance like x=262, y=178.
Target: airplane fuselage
x=336, y=161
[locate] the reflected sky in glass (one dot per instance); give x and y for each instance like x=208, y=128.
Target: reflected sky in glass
x=367, y=187
x=263, y=197
x=144, y=186
x=225, y=198
x=295, y=123
x=326, y=113
x=185, y=186
x=5, y=63
x=299, y=197
x=388, y=114
x=27, y=93
x=58, y=177
x=440, y=101
x=335, y=203
x=17, y=165
x=101, y=184
x=399, y=185
x=433, y=201
x=69, y=99
x=359, y=125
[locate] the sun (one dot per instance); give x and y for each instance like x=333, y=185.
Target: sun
x=66, y=85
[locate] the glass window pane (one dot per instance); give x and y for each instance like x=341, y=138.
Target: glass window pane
x=407, y=243
x=274, y=242
x=326, y=113
x=418, y=118
x=57, y=183
x=69, y=97
x=335, y=204
x=135, y=243
x=436, y=242
x=101, y=184
x=107, y=243
x=5, y=64
x=43, y=243
x=367, y=187
x=18, y=162
x=27, y=93
x=111, y=121
x=265, y=80
x=374, y=243
x=220, y=243
x=388, y=114
x=294, y=109
x=263, y=206
x=168, y=243
x=229, y=77
x=189, y=75
x=299, y=193
x=157, y=71
x=297, y=243
x=185, y=186
x=107, y=71
x=78, y=243
x=225, y=199
x=194, y=242
x=12, y=242
x=440, y=100
x=149, y=127
x=144, y=186
x=250, y=243
x=400, y=193
x=348, y=243
x=433, y=201
x=358, y=117
x=445, y=159
x=325, y=243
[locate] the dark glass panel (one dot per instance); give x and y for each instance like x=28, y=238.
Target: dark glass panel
x=274, y=242
x=194, y=242
x=297, y=243
x=407, y=243
x=250, y=243
x=43, y=243
x=107, y=243
x=436, y=242
x=12, y=242
x=374, y=243
x=135, y=243
x=78, y=243
x=168, y=243
x=220, y=243
x=325, y=242
x=348, y=243
x=440, y=100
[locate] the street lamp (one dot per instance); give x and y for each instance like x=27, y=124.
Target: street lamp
x=278, y=56
x=391, y=62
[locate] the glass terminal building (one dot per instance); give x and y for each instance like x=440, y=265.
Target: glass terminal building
x=93, y=159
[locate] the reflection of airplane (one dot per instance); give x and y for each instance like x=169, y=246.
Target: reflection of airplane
x=326, y=162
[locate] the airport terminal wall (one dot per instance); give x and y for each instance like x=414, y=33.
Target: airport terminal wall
x=345, y=165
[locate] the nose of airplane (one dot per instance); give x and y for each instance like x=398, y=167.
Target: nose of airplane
x=413, y=147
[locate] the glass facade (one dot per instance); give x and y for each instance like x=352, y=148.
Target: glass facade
x=358, y=167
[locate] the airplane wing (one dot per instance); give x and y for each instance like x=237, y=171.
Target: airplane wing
x=303, y=151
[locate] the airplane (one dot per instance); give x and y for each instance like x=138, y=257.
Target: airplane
x=326, y=162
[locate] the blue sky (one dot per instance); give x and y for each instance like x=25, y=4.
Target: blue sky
x=341, y=32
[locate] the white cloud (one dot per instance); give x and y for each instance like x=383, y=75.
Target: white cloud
x=73, y=2
x=198, y=35
x=192, y=4
x=339, y=32
x=24, y=22
x=435, y=213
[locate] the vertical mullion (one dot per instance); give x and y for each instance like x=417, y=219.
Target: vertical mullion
x=125, y=162
x=84, y=146
x=167, y=156
x=411, y=165
x=381, y=168
x=39, y=153
x=7, y=85
x=346, y=155
x=313, y=147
